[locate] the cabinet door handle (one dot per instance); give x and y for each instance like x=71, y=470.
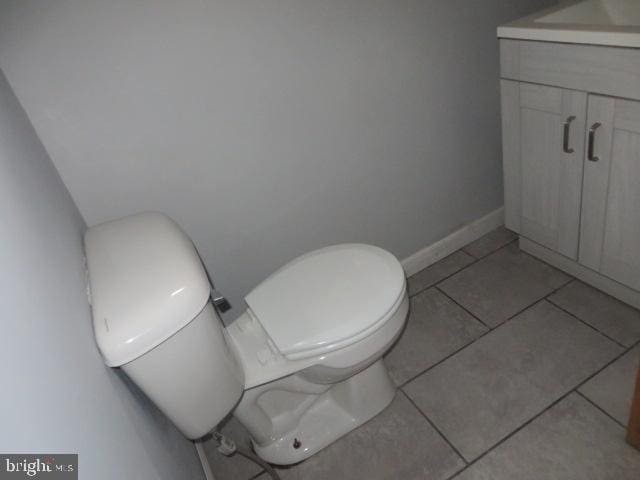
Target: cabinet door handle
x=592, y=141
x=567, y=132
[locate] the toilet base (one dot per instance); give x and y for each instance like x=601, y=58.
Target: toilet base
x=335, y=412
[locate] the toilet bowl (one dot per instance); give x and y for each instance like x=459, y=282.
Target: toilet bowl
x=300, y=367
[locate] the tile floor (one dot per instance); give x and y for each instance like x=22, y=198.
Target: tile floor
x=508, y=368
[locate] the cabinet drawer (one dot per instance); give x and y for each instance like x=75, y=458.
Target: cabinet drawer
x=589, y=68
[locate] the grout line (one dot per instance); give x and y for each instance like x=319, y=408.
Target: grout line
x=436, y=429
x=508, y=320
x=490, y=329
x=437, y=287
x=625, y=350
x=431, y=285
x=600, y=408
x=496, y=445
x=571, y=279
x=584, y=322
x=475, y=260
x=444, y=359
x=529, y=305
x=573, y=390
x=492, y=251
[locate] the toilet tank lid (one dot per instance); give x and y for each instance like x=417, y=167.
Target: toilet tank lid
x=146, y=283
x=328, y=298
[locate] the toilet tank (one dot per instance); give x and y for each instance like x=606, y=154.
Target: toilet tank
x=152, y=316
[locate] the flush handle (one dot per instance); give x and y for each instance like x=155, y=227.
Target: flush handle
x=567, y=133
x=221, y=303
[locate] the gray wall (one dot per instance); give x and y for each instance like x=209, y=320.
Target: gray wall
x=268, y=127
x=57, y=395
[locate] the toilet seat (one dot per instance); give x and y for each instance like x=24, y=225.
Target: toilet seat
x=328, y=299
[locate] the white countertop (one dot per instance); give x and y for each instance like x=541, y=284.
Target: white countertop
x=595, y=22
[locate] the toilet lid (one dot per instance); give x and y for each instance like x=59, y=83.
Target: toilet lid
x=328, y=298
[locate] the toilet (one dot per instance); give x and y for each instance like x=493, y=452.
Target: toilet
x=299, y=368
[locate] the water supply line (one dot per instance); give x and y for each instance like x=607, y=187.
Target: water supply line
x=228, y=447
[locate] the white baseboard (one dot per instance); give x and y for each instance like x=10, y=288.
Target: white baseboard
x=458, y=239
x=208, y=473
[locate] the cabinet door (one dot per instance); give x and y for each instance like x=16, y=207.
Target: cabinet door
x=543, y=164
x=610, y=232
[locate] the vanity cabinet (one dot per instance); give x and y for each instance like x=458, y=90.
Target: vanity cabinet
x=571, y=160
